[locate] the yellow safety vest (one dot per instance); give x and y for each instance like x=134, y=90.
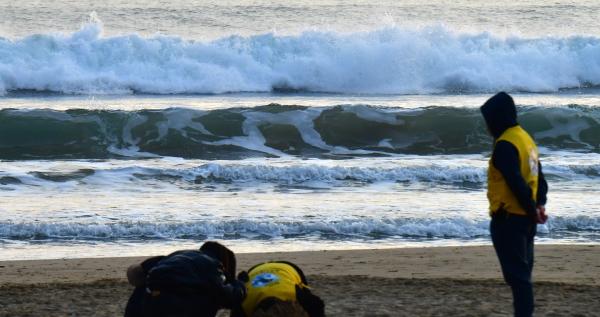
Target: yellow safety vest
x=499, y=194
x=271, y=279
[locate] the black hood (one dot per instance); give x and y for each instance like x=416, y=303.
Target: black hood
x=499, y=113
x=222, y=254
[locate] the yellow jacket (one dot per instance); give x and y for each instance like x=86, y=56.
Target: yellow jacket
x=271, y=279
x=499, y=194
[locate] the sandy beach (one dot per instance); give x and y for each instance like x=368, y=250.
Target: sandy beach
x=462, y=281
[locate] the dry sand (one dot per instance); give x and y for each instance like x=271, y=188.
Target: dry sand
x=459, y=281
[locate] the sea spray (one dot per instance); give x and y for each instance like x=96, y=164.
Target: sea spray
x=390, y=60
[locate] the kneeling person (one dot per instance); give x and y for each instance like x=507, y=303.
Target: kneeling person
x=278, y=289
x=186, y=283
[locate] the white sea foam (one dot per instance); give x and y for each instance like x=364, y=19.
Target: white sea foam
x=250, y=228
x=465, y=172
x=305, y=173
x=268, y=172
x=348, y=228
x=389, y=60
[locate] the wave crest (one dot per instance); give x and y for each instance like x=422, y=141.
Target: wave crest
x=279, y=131
x=351, y=228
x=391, y=60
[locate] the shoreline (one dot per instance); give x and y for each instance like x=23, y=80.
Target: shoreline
x=431, y=281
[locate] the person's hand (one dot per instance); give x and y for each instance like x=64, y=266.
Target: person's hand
x=243, y=276
x=540, y=215
x=239, y=285
x=136, y=275
x=311, y=303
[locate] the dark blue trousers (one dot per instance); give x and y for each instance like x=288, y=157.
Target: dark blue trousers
x=513, y=241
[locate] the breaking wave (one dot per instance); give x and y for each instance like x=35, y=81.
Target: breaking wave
x=469, y=174
x=385, y=61
x=279, y=131
x=358, y=228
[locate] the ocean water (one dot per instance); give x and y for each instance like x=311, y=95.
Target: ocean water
x=141, y=127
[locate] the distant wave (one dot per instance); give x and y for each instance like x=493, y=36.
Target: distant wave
x=357, y=228
x=279, y=131
x=385, y=61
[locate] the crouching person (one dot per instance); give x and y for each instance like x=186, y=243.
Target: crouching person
x=185, y=283
x=278, y=289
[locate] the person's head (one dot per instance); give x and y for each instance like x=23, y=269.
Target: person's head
x=499, y=113
x=224, y=255
x=274, y=307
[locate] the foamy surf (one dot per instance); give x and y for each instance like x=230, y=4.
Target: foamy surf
x=391, y=60
x=466, y=172
x=248, y=229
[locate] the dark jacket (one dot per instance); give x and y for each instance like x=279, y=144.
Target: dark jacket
x=187, y=283
x=500, y=114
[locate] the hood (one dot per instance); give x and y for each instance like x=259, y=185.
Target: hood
x=499, y=113
x=222, y=254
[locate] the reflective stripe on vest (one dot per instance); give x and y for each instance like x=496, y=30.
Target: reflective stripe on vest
x=499, y=194
x=271, y=279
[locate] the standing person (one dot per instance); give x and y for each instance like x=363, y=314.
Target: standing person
x=186, y=283
x=517, y=195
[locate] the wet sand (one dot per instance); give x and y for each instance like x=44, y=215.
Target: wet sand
x=461, y=281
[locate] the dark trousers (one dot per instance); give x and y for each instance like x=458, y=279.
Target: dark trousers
x=169, y=304
x=513, y=241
